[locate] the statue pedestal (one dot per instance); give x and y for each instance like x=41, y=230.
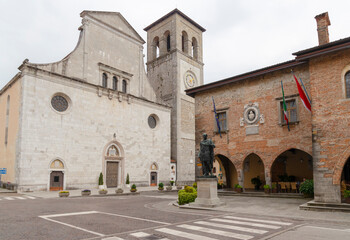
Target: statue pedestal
x=207, y=193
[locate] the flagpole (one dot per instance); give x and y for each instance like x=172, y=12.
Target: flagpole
x=285, y=108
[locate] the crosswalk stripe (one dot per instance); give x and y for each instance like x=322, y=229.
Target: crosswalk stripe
x=9, y=198
x=258, y=220
x=242, y=229
x=30, y=197
x=20, y=198
x=140, y=234
x=245, y=223
x=184, y=234
x=112, y=238
x=216, y=232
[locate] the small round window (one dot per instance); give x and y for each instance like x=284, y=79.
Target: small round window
x=59, y=103
x=152, y=122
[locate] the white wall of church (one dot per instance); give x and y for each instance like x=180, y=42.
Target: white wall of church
x=80, y=135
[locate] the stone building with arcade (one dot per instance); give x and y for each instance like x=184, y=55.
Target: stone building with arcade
x=255, y=139
x=98, y=110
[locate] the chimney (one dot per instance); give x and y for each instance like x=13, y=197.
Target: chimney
x=322, y=28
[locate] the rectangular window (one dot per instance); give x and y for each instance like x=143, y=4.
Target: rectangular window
x=292, y=112
x=222, y=121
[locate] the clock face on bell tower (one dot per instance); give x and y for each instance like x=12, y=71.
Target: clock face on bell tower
x=190, y=80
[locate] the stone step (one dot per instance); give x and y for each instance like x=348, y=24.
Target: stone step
x=271, y=195
x=326, y=207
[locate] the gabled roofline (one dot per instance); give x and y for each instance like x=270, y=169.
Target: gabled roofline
x=171, y=13
x=289, y=64
x=323, y=49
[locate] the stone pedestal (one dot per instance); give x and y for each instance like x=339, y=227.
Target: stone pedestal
x=207, y=193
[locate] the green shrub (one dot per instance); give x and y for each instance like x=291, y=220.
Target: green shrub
x=307, y=187
x=127, y=179
x=273, y=185
x=266, y=186
x=238, y=186
x=172, y=183
x=189, y=189
x=347, y=193
x=133, y=186
x=161, y=185
x=185, y=197
x=257, y=182
x=64, y=191
x=100, y=179
x=194, y=185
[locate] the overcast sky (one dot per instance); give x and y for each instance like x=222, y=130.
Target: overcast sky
x=242, y=35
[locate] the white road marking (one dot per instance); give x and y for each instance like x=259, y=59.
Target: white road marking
x=184, y=234
x=242, y=229
x=112, y=238
x=258, y=220
x=141, y=219
x=9, y=198
x=68, y=214
x=333, y=229
x=72, y=226
x=140, y=234
x=20, y=198
x=30, y=197
x=164, y=197
x=217, y=232
x=245, y=223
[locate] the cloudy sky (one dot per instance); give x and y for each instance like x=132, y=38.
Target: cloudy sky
x=242, y=35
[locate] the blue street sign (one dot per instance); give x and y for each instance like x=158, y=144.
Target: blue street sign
x=3, y=170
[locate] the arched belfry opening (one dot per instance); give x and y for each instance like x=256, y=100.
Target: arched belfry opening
x=253, y=172
x=167, y=39
x=155, y=48
x=225, y=171
x=290, y=169
x=184, y=42
x=345, y=179
x=194, y=48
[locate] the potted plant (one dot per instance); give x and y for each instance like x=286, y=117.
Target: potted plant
x=103, y=191
x=178, y=186
x=267, y=188
x=100, y=181
x=133, y=188
x=119, y=191
x=169, y=188
x=257, y=182
x=220, y=185
x=172, y=183
x=307, y=188
x=127, y=182
x=273, y=188
x=238, y=188
x=85, y=192
x=160, y=186
x=63, y=193
x=194, y=185
x=347, y=196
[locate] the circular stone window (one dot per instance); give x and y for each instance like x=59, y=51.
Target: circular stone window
x=59, y=103
x=152, y=122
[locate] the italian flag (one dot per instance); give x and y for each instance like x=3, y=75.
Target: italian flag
x=302, y=95
x=285, y=113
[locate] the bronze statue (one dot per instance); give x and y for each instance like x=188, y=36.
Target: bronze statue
x=206, y=155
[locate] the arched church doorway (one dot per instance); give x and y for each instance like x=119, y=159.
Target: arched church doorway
x=291, y=168
x=225, y=171
x=113, y=164
x=345, y=178
x=154, y=175
x=254, y=173
x=56, y=175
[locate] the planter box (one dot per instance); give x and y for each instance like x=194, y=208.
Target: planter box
x=238, y=190
x=169, y=188
x=347, y=200
x=133, y=190
x=267, y=191
x=102, y=192
x=178, y=187
x=274, y=190
x=85, y=193
x=161, y=189
x=119, y=191
x=63, y=194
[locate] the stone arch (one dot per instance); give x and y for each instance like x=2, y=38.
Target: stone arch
x=345, y=76
x=291, y=166
x=153, y=174
x=195, y=48
x=184, y=42
x=339, y=166
x=155, y=47
x=253, y=166
x=225, y=170
x=113, y=164
x=167, y=39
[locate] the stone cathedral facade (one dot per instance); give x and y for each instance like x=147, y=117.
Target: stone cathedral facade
x=98, y=111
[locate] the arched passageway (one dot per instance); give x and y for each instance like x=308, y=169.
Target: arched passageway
x=291, y=168
x=253, y=168
x=345, y=179
x=225, y=171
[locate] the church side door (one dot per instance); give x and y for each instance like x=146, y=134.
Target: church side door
x=112, y=174
x=153, y=179
x=56, y=181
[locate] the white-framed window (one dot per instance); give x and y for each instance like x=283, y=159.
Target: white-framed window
x=347, y=84
x=292, y=111
x=104, y=80
x=222, y=117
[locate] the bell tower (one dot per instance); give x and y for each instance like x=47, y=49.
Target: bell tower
x=174, y=64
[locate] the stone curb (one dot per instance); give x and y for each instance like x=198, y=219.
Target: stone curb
x=103, y=195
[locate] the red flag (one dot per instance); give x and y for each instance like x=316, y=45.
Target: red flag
x=302, y=95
